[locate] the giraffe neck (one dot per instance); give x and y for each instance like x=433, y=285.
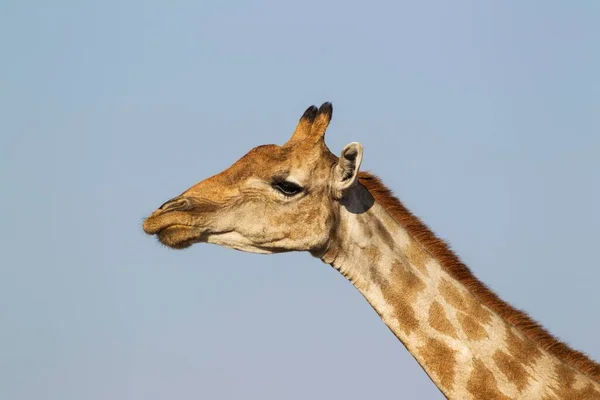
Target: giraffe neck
x=465, y=347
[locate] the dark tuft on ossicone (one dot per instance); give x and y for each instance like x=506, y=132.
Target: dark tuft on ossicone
x=327, y=109
x=310, y=114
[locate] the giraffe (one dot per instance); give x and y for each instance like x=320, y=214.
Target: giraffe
x=301, y=197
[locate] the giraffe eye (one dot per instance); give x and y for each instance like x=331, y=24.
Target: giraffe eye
x=287, y=188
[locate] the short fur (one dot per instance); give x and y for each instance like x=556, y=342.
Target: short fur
x=440, y=251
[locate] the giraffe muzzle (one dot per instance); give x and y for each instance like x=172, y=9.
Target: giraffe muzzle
x=158, y=220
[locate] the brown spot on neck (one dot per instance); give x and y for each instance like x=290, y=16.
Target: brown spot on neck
x=473, y=329
x=523, y=350
x=439, y=321
x=464, y=303
x=452, y=296
x=482, y=384
x=417, y=256
x=400, y=293
x=515, y=372
x=565, y=389
x=440, y=360
x=373, y=255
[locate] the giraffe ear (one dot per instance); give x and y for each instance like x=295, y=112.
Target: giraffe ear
x=346, y=171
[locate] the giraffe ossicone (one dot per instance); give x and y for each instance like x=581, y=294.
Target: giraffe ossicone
x=302, y=197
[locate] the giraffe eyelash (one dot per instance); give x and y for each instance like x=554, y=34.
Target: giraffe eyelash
x=287, y=188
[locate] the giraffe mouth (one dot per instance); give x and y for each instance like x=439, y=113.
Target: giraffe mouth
x=160, y=221
x=174, y=228
x=179, y=236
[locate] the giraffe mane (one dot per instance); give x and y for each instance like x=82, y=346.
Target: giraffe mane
x=450, y=262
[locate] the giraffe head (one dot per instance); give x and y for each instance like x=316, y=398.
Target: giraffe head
x=273, y=199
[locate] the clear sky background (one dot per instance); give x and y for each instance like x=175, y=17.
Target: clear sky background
x=483, y=118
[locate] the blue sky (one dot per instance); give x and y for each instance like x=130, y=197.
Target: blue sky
x=482, y=117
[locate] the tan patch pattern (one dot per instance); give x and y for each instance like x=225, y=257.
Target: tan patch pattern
x=401, y=293
x=566, y=389
x=373, y=254
x=514, y=371
x=467, y=303
x=449, y=262
x=473, y=329
x=417, y=256
x=406, y=317
x=482, y=384
x=440, y=360
x=522, y=350
x=439, y=321
x=565, y=375
x=452, y=295
x=588, y=392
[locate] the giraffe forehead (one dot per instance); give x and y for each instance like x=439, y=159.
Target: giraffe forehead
x=260, y=161
x=267, y=161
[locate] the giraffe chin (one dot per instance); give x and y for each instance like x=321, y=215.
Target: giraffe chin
x=179, y=237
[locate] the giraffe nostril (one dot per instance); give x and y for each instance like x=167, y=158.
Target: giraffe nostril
x=176, y=203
